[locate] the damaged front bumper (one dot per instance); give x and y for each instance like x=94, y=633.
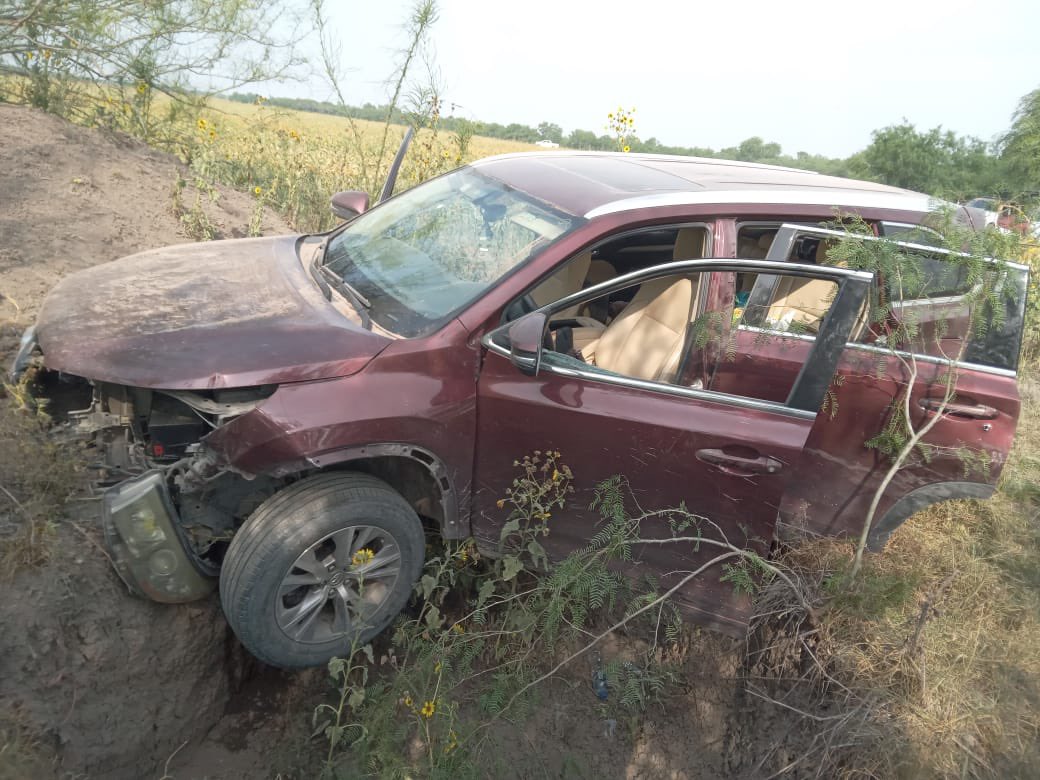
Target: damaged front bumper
x=143, y=535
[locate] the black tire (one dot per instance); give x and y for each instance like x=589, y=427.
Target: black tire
x=283, y=561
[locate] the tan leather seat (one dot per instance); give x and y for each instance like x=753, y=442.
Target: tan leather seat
x=800, y=301
x=568, y=279
x=755, y=248
x=689, y=244
x=646, y=339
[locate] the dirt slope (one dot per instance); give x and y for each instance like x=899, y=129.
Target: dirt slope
x=111, y=685
x=71, y=197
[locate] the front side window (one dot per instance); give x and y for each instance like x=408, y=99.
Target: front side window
x=685, y=330
x=428, y=252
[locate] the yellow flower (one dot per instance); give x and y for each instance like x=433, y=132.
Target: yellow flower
x=556, y=476
x=437, y=667
x=364, y=555
x=212, y=134
x=46, y=54
x=259, y=191
x=500, y=503
x=458, y=628
x=29, y=55
x=626, y=148
x=428, y=709
x=201, y=124
x=141, y=87
x=407, y=700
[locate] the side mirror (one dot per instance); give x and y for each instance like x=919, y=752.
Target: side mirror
x=525, y=342
x=347, y=205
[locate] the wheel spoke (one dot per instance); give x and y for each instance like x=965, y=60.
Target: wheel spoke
x=309, y=563
x=385, y=564
x=341, y=599
x=344, y=541
x=349, y=541
x=298, y=620
x=365, y=534
x=301, y=579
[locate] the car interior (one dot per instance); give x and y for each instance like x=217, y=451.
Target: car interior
x=644, y=331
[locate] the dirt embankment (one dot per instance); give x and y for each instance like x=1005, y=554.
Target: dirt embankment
x=110, y=685
x=72, y=197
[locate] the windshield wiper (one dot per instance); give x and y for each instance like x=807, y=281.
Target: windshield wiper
x=319, y=277
x=329, y=280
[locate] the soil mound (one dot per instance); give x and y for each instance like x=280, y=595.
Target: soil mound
x=107, y=684
x=72, y=197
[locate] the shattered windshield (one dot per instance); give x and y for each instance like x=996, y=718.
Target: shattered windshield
x=428, y=252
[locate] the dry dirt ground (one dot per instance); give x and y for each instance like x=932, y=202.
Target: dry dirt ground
x=111, y=685
x=115, y=687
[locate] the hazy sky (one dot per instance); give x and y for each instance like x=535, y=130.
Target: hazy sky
x=810, y=75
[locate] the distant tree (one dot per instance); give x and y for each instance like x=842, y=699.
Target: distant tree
x=1020, y=148
x=582, y=139
x=938, y=162
x=548, y=131
x=754, y=149
x=519, y=132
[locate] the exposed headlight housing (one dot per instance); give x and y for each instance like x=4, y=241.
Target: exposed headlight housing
x=24, y=355
x=140, y=525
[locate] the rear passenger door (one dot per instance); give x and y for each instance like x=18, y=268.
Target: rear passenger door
x=970, y=443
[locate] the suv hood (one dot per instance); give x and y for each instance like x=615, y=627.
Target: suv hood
x=219, y=314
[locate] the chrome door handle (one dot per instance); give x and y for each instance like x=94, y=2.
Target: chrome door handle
x=739, y=465
x=971, y=410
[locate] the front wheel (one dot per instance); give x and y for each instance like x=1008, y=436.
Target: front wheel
x=322, y=565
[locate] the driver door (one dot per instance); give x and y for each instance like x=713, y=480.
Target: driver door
x=636, y=406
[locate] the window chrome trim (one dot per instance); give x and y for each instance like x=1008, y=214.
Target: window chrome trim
x=934, y=359
x=892, y=352
x=825, y=198
x=660, y=387
x=911, y=227
x=915, y=302
x=773, y=332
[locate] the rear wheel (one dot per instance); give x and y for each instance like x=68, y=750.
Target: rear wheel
x=326, y=563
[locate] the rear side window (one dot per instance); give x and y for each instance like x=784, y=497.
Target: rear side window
x=941, y=306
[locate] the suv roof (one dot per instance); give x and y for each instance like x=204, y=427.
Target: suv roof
x=593, y=183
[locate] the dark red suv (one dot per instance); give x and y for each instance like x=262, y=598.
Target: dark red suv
x=289, y=412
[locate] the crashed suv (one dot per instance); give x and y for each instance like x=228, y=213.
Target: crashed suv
x=289, y=414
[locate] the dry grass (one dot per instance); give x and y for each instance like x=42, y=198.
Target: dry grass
x=941, y=633
x=294, y=161
x=22, y=753
x=37, y=476
x=307, y=122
